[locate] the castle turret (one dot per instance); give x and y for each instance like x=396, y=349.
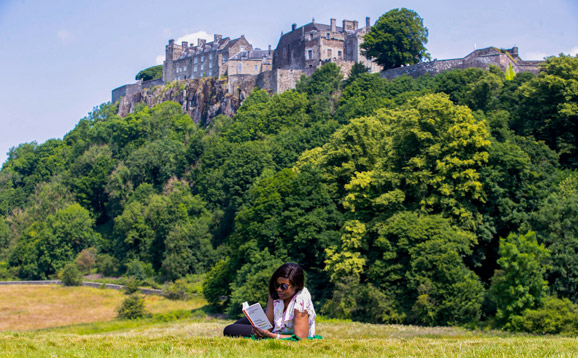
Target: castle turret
x=367, y=23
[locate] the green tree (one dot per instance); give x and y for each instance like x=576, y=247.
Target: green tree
x=150, y=73
x=519, y=283
x=556, y=222
x=548, y=107
x=397, y=38
x=86, y=260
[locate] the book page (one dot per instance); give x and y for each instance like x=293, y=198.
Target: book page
x=257, y=316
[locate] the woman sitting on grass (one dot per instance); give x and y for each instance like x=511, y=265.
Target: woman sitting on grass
x=289, y=308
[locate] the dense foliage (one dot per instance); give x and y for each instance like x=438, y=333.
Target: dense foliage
x=150, y=73
x=439, y=200
x=398, y=38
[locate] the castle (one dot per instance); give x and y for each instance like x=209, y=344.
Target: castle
x=234, y=67
x=299, y=52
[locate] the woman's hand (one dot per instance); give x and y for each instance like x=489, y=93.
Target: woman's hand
x=259, y=333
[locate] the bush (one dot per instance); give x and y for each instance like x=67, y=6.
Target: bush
x=132, y=308
x=130, y=286
x=556, y=316
x=139, y=270
x=107, y=265
x=179, y=290
x=70, y=276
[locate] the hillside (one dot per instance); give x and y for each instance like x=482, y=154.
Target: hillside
x=436, y=201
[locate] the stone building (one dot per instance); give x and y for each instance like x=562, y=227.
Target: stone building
x=206, y=59
x=308, y=47
x=252, y=62
x=481, y=58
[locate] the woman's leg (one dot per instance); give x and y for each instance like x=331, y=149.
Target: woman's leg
x=241, y=328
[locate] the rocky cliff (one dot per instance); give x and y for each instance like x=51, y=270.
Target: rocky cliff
x=202, y=98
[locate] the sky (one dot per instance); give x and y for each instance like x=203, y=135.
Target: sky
x=60, y=59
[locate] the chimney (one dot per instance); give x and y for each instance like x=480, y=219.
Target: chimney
x=201, y=42
x=367, y=23
x=218, y=37
x=514, y=51
x=185, y=45
x=269, y=50
x=293, y=27
x=355, y=25
x=333, y=25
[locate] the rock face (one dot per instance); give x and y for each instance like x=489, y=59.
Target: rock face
x=202, y=98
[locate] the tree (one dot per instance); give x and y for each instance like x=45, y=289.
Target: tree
x=519, y=284
x=86, y=259
x=150, y=73
x=397, y=38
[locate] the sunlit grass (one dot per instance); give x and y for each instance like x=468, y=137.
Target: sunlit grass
x=34, y=307
x=201, y=335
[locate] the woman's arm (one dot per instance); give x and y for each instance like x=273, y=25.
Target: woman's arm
x=301, y=324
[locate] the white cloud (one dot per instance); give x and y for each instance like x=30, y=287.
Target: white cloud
x=64, y=36
x=159, y=59
x=192, y=38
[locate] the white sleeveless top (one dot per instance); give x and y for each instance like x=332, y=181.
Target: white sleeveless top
x=284, y=320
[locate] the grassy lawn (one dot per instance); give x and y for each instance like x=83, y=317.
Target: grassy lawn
x=33, y=307
x=202, y=336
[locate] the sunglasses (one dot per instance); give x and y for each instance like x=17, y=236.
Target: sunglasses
x=282, y=286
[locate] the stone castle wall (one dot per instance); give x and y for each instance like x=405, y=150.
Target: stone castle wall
x=483, y=59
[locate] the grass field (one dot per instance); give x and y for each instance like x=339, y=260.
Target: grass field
x=202, y=336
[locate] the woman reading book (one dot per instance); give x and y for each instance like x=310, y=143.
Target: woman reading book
x=289, y=308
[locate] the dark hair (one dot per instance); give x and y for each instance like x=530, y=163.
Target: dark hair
x=292, y=272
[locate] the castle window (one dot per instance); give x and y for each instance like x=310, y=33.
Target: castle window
x=328, y=35
x=310, y=54
x=196, y=58
x=210, y=56
x=239, y=67
x=195, y=68
x=256, y=67
x=202, y=58
x=310, y=36
x=329, y=53
x=184, y=69
x=339, y=54
x=210, y=65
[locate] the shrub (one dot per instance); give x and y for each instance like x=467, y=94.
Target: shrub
x=179, y=290
x=556, y=316
x=70, y=276
x=139, y=270
x=107, y=265
x=130, y=286
x=132, y=308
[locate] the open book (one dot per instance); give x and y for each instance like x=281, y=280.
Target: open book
x=256, y=316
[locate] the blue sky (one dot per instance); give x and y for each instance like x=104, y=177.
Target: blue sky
x=61, y=58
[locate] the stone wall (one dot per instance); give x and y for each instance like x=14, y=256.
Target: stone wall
x=131, y=89
x=482, y=58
